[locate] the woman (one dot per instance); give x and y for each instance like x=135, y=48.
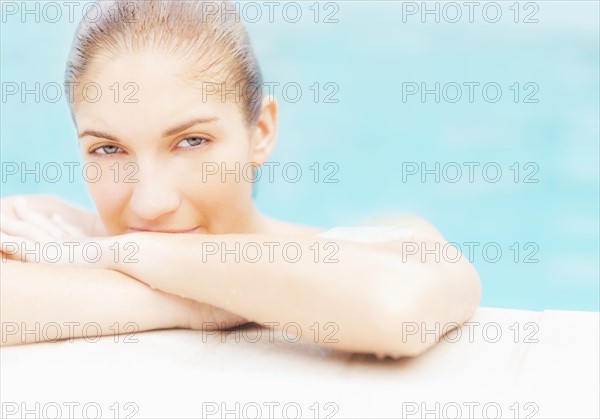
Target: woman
x=170, y=68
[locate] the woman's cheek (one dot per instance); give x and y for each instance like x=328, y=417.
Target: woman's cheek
x=110, y=198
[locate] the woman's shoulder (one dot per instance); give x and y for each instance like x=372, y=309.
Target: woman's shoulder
x=275, y=226
x=299, y=229
x=387, y=226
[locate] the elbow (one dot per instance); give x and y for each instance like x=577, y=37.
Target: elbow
x=403, y=330
x=415, y=312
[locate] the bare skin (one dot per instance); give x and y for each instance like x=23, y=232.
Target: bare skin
x=154, y=301
x=132, y=301
x=171, y=211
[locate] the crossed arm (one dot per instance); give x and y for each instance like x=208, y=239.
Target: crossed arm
x=370, y=293
x=36, y=299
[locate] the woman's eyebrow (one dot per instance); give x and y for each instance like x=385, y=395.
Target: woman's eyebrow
x=98, y=134
x=171, y=131
x=185, y=125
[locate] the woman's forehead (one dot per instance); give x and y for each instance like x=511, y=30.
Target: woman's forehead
x=151, y=79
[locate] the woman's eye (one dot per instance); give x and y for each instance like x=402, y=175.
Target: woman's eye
x=106, y=149
x=191, y=142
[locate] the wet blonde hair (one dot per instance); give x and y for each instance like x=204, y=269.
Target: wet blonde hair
x=207, y=35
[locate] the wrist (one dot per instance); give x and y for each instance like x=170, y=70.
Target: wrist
x=126, y=253
x=99, y=252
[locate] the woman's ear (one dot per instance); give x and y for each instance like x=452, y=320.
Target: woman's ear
x=264, y=135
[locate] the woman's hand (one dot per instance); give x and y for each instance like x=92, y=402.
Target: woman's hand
x=25, y=232
x=47, y=205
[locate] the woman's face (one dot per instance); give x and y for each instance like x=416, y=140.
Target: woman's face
x=162, y=157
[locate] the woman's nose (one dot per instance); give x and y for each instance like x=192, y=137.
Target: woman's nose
x=153, y=196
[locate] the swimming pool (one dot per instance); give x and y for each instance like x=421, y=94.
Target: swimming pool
x=488, y=128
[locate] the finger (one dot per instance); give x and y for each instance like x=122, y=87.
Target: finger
x=16, y=248
x=7, y=206
x=18, y=228
x=70, y=230
x=28, y=215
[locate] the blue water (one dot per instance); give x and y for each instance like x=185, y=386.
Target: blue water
x=371, y=133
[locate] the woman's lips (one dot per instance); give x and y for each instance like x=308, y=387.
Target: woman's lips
x=170, y=231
